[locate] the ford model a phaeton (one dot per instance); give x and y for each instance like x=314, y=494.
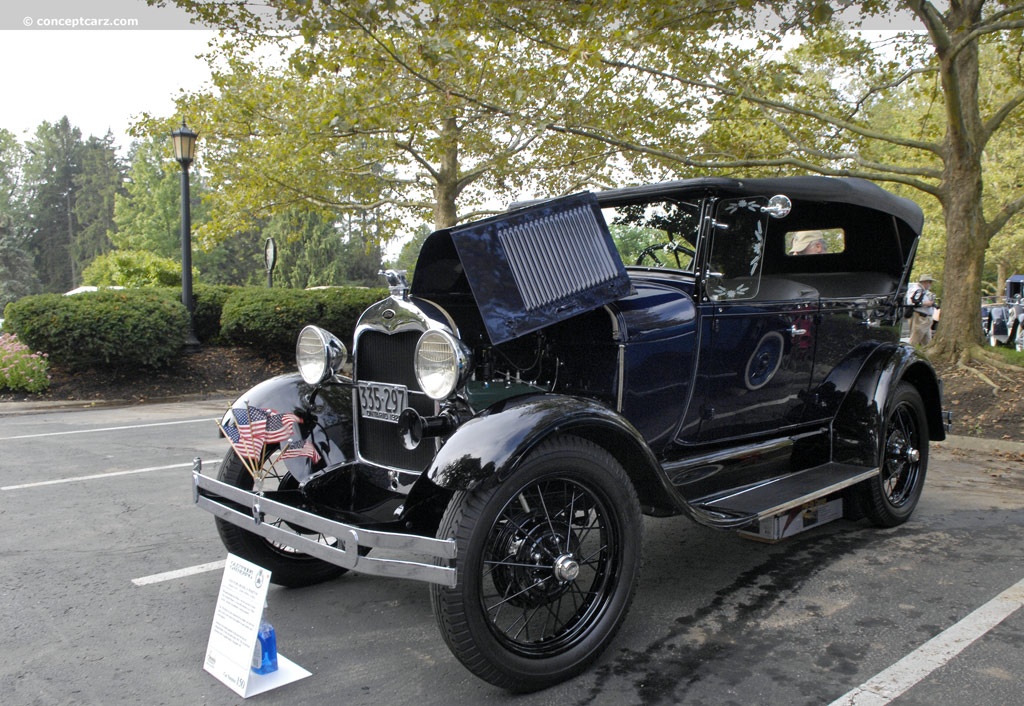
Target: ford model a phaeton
x=510, y=416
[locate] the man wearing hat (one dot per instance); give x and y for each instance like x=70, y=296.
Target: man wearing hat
x=922, y=299
x=808, y=242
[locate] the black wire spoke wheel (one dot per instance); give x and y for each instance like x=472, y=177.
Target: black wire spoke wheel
x=891, y=497
x=547, y=566
x=288, y=566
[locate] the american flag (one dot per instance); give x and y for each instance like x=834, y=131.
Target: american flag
x=257, y=426
x=241, y=442
x=279, y=426
x=297, y=449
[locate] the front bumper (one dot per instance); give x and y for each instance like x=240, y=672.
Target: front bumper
x=405, y=556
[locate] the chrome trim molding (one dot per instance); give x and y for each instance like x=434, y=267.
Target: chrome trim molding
x=350, y=538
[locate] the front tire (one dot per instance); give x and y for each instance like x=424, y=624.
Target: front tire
x=548, y=563
x=287, y=566
x=889, y=498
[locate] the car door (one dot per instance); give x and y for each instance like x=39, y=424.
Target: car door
x=754, y=365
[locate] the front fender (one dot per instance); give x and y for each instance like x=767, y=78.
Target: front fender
x=489, y=447
x=860, y=421
x=325, y=411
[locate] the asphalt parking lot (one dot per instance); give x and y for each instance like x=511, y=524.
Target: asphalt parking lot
x=110, y=577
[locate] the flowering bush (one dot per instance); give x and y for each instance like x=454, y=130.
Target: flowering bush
x=21, y=369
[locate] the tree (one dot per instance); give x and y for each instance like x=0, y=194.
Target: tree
x=314, y=252
x=705, y=86
x=714, y=86
x=342, y=128
x=148, y=212
x=820, y=120
x=53, y=163
x=97, y=186
x=17, y=274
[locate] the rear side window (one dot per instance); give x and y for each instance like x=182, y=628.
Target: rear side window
x=823, y=241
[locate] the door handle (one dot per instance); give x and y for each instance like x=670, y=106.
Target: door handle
x=794, y=331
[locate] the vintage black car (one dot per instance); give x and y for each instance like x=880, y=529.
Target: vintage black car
x=510, y=416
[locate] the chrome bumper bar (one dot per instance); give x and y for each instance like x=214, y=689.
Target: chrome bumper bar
x=350, y=538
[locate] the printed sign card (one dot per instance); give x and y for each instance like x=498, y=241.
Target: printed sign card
x=233, y=636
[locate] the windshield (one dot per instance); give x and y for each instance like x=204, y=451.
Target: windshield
x=655, y=234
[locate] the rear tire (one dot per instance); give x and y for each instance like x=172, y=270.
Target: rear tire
x=889, y=498
x=287, y=566
x=548, y=562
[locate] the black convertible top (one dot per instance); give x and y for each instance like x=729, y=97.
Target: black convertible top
x=857, y=192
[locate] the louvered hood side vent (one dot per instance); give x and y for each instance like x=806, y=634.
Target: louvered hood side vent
x=539, y=265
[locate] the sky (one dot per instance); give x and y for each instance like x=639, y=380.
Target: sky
x=100, y=78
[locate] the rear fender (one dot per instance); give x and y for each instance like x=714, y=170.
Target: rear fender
x=860, y=421
x=326, y=414
x=490, y=447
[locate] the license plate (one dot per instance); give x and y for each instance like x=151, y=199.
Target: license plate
x=378, y=400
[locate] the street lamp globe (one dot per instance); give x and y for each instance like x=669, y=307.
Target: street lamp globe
x=184, y=140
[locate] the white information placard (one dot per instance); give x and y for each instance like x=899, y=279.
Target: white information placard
x=233, y=635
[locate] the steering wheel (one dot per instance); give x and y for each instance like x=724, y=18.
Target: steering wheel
x=671, y=247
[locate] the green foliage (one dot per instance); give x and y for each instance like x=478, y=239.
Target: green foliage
x=314, y=252
x=209, y=301
x=1011, y=355
x=50, y=169
x=20, y=368
x=410, y=252
x=61, y=200
x=17, y=275
x=96, y=187
x=133, y=268
x=101, y=329
x=269, y=320
x=17, y=270
x=148, y=215
x=323, y=132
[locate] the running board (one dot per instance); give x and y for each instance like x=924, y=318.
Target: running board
x=788, y=492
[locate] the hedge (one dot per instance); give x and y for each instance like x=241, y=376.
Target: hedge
x=209, y=300
x=269, y=320
x=145, y=327
x=112, y=328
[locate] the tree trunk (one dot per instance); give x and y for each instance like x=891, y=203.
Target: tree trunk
x=1001, y=275
x=960, y=328
x=959, y=334
x=446, y=186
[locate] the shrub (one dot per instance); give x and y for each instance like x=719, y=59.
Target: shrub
x=20, y=368
x=209, y=300
x=106, y=328
x=133, y=268
x=269, y=320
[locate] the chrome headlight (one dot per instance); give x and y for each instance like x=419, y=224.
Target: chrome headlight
x=318, y=354
x=442, y=364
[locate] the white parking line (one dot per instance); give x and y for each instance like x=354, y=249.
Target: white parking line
x=179, y=573
x=111, y=474
x=127, y=426
x=900, y=677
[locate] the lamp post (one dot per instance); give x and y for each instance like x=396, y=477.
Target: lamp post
x=184, y=141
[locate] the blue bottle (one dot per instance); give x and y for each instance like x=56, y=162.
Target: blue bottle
x=264, y=655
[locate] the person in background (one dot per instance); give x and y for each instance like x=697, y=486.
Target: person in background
x=808, y=242
x=922, y=299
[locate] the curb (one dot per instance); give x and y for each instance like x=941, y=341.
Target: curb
x=9, y=409
x=979, y=443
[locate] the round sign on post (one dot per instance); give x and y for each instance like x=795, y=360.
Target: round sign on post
x=270, y=259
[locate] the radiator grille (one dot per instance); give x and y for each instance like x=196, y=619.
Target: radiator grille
x=382, y=357
x=535, y=266
x=557, y=256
